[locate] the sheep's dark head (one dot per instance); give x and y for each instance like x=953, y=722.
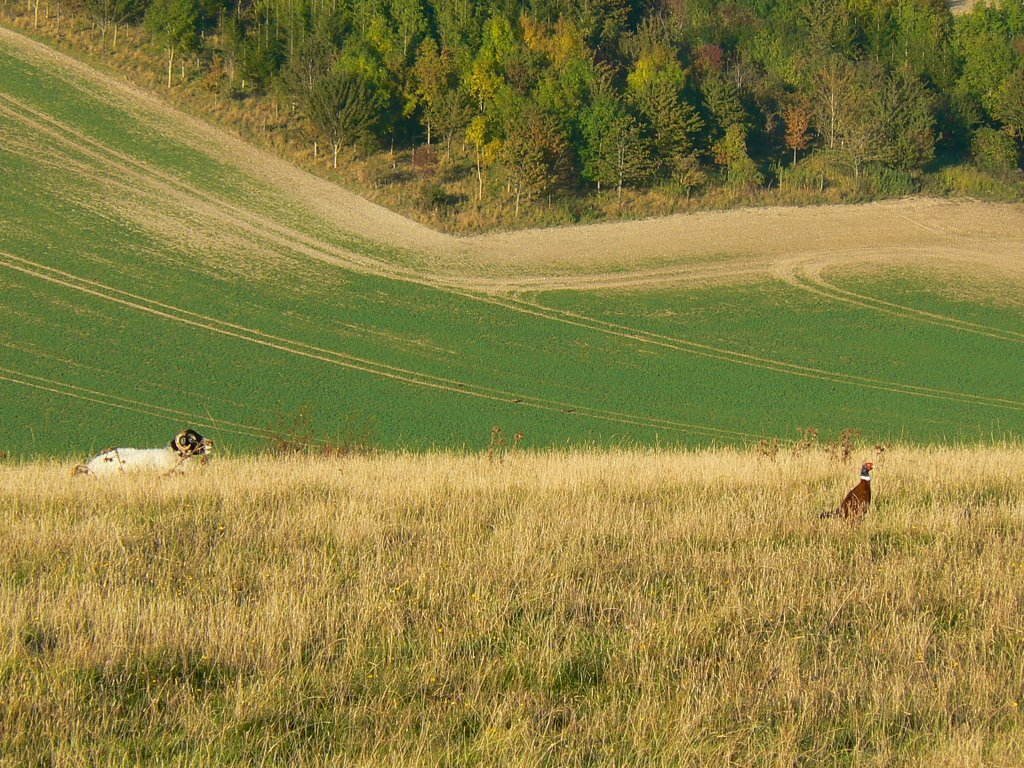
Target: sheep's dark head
x=190, y=443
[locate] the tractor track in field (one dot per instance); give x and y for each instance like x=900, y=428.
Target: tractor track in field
x=130, y=177
x=227, y=214
x=808, y=274
x=224, y=214
x=364, y=365
x=756, y=361
x=64, y=389
x=345, y=210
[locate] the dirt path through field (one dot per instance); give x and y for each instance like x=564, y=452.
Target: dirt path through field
x=753, y=243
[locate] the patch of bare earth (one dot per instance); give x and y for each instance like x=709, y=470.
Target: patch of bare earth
x=963, y=6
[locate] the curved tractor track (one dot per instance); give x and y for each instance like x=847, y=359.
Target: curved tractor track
x=810, y=275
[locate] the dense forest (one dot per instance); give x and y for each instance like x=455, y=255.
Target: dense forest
x=531, y=101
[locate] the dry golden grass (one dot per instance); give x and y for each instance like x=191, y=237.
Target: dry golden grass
x=625, y=608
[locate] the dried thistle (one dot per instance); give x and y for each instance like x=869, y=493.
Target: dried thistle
x=808, y=440
x=844, y=447
x=769, y=448
x=496, y=444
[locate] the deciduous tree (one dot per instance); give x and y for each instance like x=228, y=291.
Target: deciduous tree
x=534, y=154
x=832, y=97
x=1008, y=104
x=796, y=114
x=172, y=23
x=431, y=74
x=615, y=150
x=343, y=109
x=731, y=153
x=111, y=13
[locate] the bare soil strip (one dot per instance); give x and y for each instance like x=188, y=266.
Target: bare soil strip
x=962, y=6
x=691, y=247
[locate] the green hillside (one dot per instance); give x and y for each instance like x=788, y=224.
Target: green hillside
x=151, y=280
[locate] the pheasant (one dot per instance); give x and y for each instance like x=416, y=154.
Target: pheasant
x=857, y=501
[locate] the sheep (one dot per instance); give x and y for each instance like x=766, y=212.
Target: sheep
x=115, y=461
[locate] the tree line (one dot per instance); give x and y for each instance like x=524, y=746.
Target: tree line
x=556, y=96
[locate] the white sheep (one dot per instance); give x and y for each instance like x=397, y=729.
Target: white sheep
x=115, y=461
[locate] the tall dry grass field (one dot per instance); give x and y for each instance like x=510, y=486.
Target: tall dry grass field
x=578, y=608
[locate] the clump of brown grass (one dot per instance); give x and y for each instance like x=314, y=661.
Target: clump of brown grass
x=625, y=607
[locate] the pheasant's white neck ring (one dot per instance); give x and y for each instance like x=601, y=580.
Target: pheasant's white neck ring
x=866, y=477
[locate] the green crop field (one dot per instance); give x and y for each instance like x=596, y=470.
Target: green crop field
x=153, y=280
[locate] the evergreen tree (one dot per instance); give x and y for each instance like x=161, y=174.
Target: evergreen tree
x=310, y=62
x=450, y=113
x=906, y=113
x=722, y=99
x=674, y=123
x=260, y=60
x=230, y=39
